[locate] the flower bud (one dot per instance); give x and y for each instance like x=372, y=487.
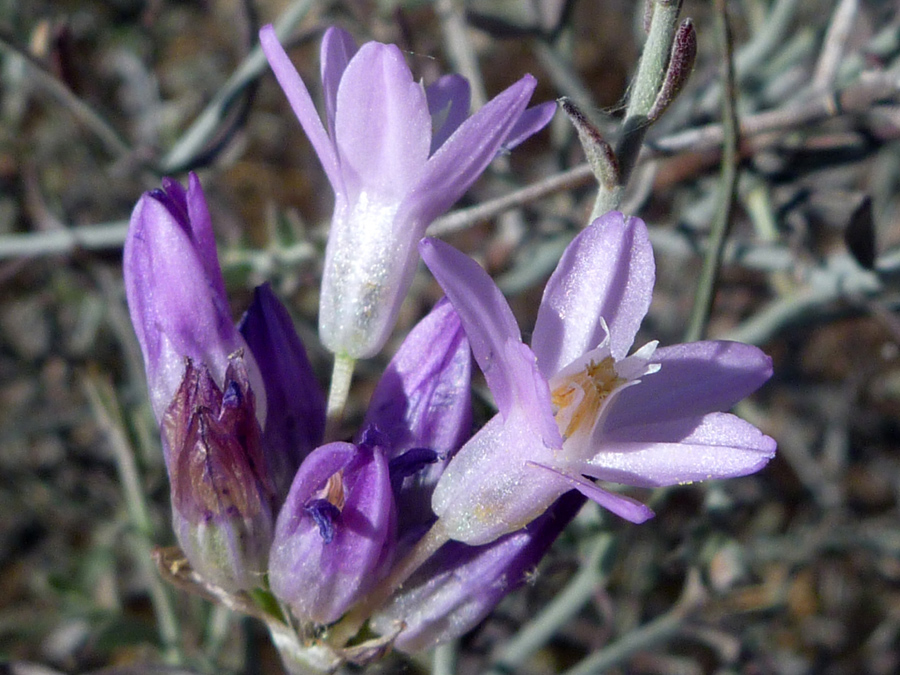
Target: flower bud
x=295, y=418
x=422, y=409
x=176, y=294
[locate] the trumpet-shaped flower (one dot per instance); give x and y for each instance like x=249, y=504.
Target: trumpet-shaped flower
x=397, y=155
x=575, y=404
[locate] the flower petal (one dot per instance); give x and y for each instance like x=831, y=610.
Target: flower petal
x=382, y=128
x=302, y=105
x=529, y=123
x=718, y=445
x=461, y=159
x=486, y=317
x=694, y=379
x=198, y=225
x=491, y=487
x=624, y=507
x=448, y=103
x=607, y=272
x=295, y=421
x=422, y=400
x=176, y=309
x=338, y=47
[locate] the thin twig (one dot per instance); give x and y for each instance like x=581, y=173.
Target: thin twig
x=206, y=126
x=464, y=218
x=460, y=49
x=728, y=188
x=57, y=242
x=645, y=88
x=102, y=399
x=871, y=87
x=445, y=657
x=567, y=603
x=656, y=632
x=81, y=111
x=835, y=41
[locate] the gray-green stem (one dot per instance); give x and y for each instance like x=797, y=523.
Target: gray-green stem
x=338, y=393
x=644, y=89
x=719, y=231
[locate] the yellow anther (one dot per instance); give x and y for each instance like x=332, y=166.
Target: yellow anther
x=577, y=398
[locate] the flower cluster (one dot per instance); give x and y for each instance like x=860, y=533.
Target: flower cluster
x=415, y=527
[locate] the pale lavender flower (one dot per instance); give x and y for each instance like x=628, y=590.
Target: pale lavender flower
x=397, y=155
x=575, y=404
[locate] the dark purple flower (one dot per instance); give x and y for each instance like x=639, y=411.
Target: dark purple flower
x=575, y=404
x=335, y=534
x=397, y=155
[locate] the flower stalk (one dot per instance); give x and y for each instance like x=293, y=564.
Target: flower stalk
x=645, y=90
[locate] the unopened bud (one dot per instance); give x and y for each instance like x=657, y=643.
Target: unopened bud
x=600, y=155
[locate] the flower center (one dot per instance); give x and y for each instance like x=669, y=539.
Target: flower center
x=577, y=397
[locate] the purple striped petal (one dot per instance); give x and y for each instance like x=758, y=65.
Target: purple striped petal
x=694, y=379
x=606, y=273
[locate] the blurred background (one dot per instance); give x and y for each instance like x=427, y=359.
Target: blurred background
x=794, y=570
